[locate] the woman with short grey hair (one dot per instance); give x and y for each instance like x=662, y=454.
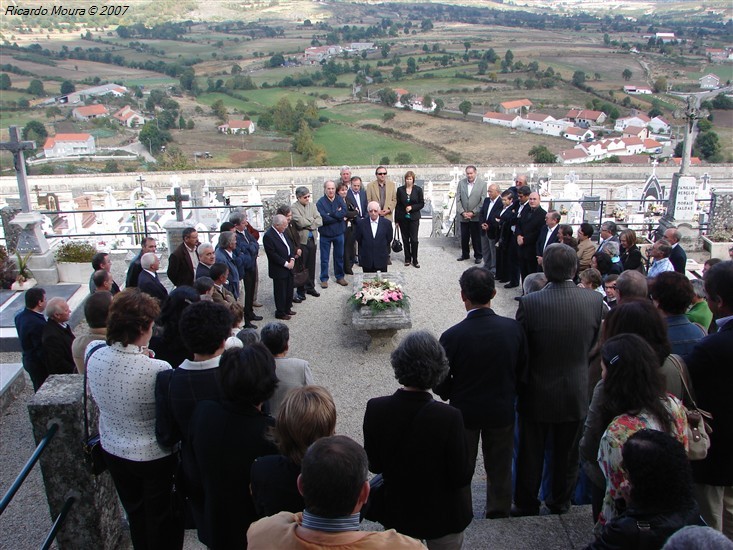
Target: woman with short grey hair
x=419, y=447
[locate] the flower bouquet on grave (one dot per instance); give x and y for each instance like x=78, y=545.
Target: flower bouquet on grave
x=379, y=295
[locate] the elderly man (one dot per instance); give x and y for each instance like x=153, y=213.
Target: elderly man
x=373, y=236
x=631, y=285
x=469, y=198
x=184, y=259
x=531, y=221
x=307, y=220
x=103, y=261
x=345, y=175
x=548, y=234
x=487, y=358
x=57, y=338
x=247, y=249
x=712, y=381
x=678, y=256
x=96, y=308
x=608, y=234
x=660, y=252
x=133, y=272
x=355, y=200
x=332, y=209
x=280, y=252
x=489, y=217
x=553, y=398
x=334, y=485
x=586, y=248
x=29, y=324
x=207, y=258
x=148, y=280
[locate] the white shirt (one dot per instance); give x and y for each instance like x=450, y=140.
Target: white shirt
x=470, y=187
x=491, y=207
x=284, y=240
x=193, y=256
x=375, y=226
x=550, y=232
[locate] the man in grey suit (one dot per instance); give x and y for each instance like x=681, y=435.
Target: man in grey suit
x=562, y=323
x=469, y=198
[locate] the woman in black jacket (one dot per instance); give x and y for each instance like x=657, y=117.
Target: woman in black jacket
x=630, y=253
x=419, y=447
x=407, y=215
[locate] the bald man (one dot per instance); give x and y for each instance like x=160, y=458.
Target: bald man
x=490, y=211
x=373, y=235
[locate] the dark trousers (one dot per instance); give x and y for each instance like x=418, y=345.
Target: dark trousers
x=283, y=291
x=527, y=260
x=513, y=261
x=349, y=246
x=249, y=282
x=497, y=448
x=36, y=370
x=145, y=489
x=502, y=263
x=409, y=230
x=471, y=231
x=309, y=260
x=532, y=440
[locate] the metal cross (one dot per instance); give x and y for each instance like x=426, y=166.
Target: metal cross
x=16, y=147
x=178, y=198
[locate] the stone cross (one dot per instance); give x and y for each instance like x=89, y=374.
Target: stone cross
x=16, y=147
x=531, y=169
x=705, y=180
x=178, y=198
x=456, y=174
x=691, y=114
x=489, y=176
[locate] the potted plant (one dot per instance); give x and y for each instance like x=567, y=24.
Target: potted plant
x=24, y=280
x=74, y=261
x=718, y=242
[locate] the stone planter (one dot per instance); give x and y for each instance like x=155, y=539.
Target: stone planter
x=74, y=272
x=20, y=287
x=717, y=249
x=381, y=326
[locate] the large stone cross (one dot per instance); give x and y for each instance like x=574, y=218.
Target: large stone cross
x=17, y=147
x=178, y=198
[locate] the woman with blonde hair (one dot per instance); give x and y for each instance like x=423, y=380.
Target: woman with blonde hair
x=630, y=253
x=305, y=415
x=407, y=215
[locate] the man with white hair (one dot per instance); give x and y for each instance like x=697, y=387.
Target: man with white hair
x=57, y=338
x=373, y=235
x=489, y=217
x=280, y=250
x=207, y=258
x=148, y=281
x=678, y=256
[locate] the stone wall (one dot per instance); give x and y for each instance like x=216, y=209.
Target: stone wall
x=721, y=218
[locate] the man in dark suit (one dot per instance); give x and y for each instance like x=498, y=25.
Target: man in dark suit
x=148, y=281
x=678, y=256
x=57, y=338
x=373, y=235
x=562, y=323
x=280, y=251
x=102, y=261
x=133, y=272
x=486, y=354
x=521, y=204
x=355, y=200
x=247, y=250
x=207, y=258
x=528, y=233
x=710, y=370
x=489, y=217
x=184, y=260
x=506, y=270
x=608, y=234
x=29, y=323
x=548, y=234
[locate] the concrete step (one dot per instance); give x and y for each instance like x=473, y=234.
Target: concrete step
x=12, y=382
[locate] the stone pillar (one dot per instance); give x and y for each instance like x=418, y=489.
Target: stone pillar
x=174, y=233
x=31, y=239
x=95, y=520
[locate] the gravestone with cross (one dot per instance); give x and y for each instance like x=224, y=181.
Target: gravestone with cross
x=174, y=228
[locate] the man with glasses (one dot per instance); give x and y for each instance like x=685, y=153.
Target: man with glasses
x=373, y=236
x=469, y=198
x=609, y=286
x=332, y=209
x=307, y=220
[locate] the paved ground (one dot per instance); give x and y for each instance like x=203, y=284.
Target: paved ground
x=321, y=332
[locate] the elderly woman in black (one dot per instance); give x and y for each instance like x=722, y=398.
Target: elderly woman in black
x=419, y=447
x=225, y=438
x=407, y=215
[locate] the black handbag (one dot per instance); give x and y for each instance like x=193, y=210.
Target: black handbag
x=300, y=273
x=397, y=243
x=92, y=444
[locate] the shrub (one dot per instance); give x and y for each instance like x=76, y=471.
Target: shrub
x=75, y=252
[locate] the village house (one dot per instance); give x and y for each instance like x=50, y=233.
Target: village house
x=636, y=131
x=659, y=126
x=636, y=90
x=316, y=54
x=418, y=105
x=665, y=36
x=574, y=133
x=69, y=145
x=639, y=119
x=96, y=91
x=716, y=55
x=502, y=119
x=129, y=117
x=544, y=124
x=573, y=156
x=237, y=127
x=586, y=117
x=710, y=82
x=88, y=112
x=515, y=107
x=652, y=146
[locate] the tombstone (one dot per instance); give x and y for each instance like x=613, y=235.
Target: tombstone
x=174, y=228
x=269, y=208
x=427, y=209
x=10, y=230
x=88, y=219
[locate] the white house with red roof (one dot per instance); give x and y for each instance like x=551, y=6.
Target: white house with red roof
x=515, y=106
x=69, y=145
x=237, y=127
x=574, y=133
x=637, y=90
x=129, y=117
x=659, y=126
x=88, y=112
x=502, y=119
x=544, y=124
x=588, y=117
x=639, y=119
x=636, y=131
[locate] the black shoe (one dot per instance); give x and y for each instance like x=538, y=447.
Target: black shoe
x=477, y=261
x=416, y=264
x=282, y=316
x=291, y=312
x=389, y=262
x=348, y=272
x=462, y=258
x=502, y=280
x=301, y=297
x=517, y=512
x=313, y=292
x=254, y=317
x=250, y=325
x=510, y=285
x=296, y=300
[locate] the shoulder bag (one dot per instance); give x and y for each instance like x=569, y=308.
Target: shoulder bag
x=92, y=444
x=397, y=243
x=698, y=429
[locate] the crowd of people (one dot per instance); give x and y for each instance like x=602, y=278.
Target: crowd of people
x=207, y=423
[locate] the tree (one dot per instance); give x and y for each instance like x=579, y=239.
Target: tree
x=384, y=160
x=579, y=78
x=708, y=145
x=220, y=111
x=509, y=58
x=153, y=138
x=439, y=104
x=627, y=74
x=606, y=39
x=483, y=65
x=388, y=96
x=111, y=167
x=704, y=125
x=403, y=158
x=389, y=115
x=541, y=154
x=385, y=50
x=34, y=131
x=187, y=79
x=276, y=60
x=397, y=73
x=466, y=45
x=53, y=112
x=465, y=107
x=236, y=69
x=411, y=65
x=67, y=87
x=660, y=85
x=5, y=81
x=36, y=87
